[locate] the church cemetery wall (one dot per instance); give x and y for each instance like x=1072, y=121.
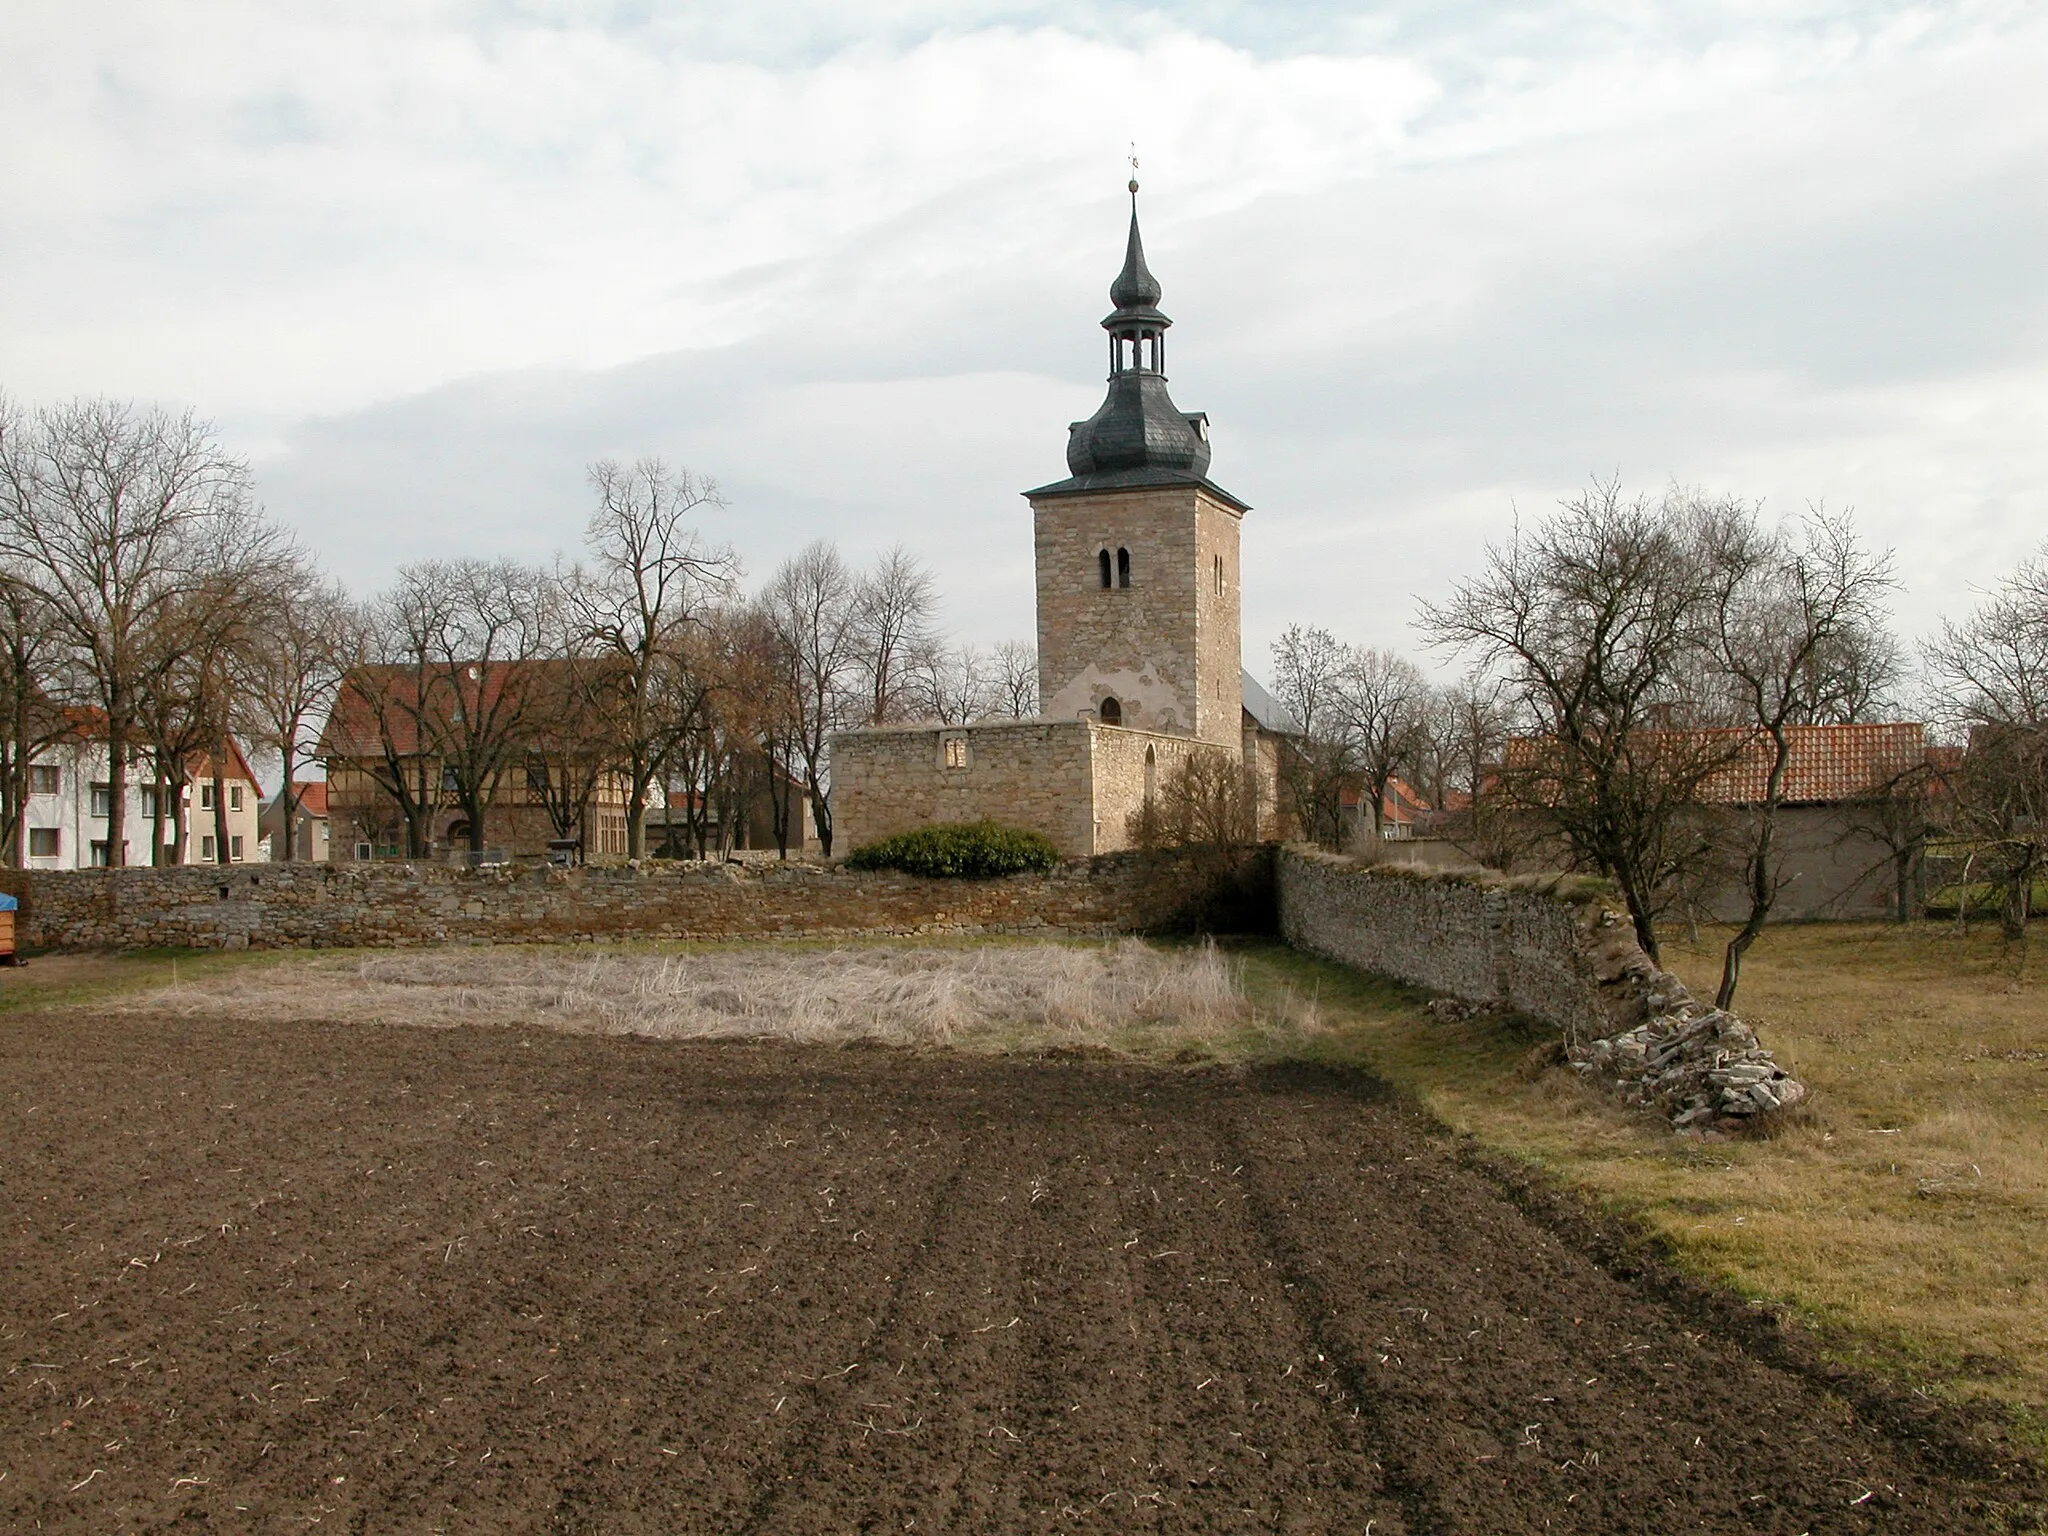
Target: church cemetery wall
x=283, y=906
x=1025, y=773
x=1479, y=940
x=1556, y=953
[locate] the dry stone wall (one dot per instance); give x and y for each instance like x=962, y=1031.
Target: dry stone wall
x=1487, y=944
x=1553, y=952
x=284, y=906
x=1025, y=773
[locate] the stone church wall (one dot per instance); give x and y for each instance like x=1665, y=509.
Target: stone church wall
x=1073, y=780
x=1025, y=773
x=1122, y=780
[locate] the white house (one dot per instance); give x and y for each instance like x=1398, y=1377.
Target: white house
x=71, y=801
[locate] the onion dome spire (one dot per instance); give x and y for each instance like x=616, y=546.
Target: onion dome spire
x=1138, y=432
x=1135, y=287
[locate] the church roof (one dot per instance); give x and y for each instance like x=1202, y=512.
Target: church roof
x=1271, y=714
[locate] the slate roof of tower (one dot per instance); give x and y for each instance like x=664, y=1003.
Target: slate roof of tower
x=1138, y=436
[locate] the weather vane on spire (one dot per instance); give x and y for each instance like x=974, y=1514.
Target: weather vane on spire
x=1134, y=167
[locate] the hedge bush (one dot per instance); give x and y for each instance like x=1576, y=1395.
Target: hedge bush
x=959, y=848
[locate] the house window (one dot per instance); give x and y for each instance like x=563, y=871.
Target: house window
x=956, y=751
x=1102, y=561
x=206, y=797
x=148, y=795
x=362, y=851
x=451, y=781
x=1123, y=567
x=205, y=849
x=1112, y=713
x=234, y=797
x=101, y=859
x=45, y=779
x=103, y=799
x=235, y=848
x=537, y=778
x=44, y=842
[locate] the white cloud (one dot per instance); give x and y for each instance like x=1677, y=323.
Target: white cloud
x=429, y=260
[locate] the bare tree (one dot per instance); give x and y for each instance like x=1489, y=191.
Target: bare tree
x=952, y=684
x=1991, y=688
x=287, y=671
x=111, y=513
x=31, y=721
x=377, y=727
x=1379, y=702
x=650, y=580
x=1013, y=689
x=1208, y=800
x=811, y=606
x=474, y=627
x=1592, y=621
x=893, y=605
x=1307, y=667
x=1793, y=612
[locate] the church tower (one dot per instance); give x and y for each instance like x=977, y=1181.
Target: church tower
x=1137, y=550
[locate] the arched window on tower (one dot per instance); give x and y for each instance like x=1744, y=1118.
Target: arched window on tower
x=1151, y=773
x=1123, y=567
x=1103, y=560
x=1111, y=712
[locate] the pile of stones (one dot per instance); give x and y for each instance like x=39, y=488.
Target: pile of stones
x=1698, y=1066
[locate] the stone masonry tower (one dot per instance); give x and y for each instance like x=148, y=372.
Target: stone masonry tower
x=1137, y=549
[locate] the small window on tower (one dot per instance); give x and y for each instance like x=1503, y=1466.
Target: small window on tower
x=1112, y=713
x=1103, y=560
x=1219, y=575
x=1123, y=567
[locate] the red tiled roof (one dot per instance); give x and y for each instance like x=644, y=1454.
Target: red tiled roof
x=311, y=795
x=1826, y=762
x=352, y=726
x=1400, y=806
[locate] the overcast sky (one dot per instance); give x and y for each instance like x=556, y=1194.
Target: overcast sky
x=1427, y=262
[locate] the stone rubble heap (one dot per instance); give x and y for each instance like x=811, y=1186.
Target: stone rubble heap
x=1696, y=1065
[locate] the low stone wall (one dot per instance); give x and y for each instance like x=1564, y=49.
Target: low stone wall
x=1496, y=945
x=283, y=906
x=1553, y=951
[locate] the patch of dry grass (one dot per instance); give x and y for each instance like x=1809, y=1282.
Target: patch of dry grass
x=1127, y=996
x=1905, y=1213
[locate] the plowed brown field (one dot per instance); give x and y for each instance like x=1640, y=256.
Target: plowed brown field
x=357, y=1278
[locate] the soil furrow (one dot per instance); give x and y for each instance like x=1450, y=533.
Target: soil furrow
x=384, y=1279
